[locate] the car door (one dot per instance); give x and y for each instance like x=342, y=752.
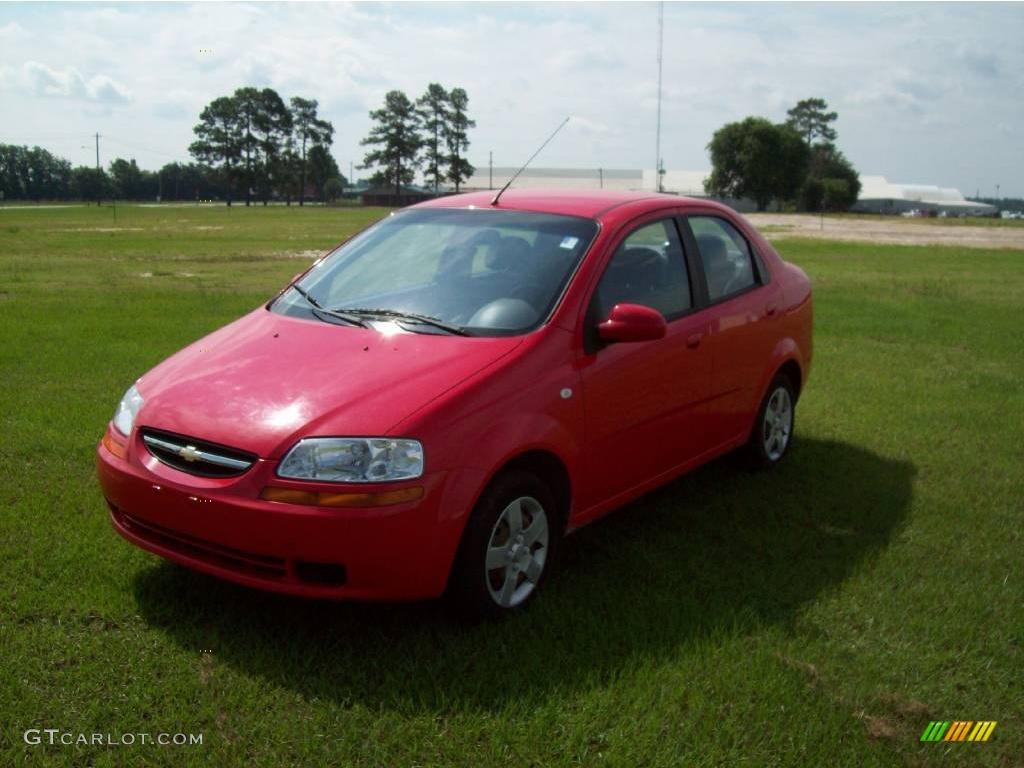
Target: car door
x=643, y=400
x=742, y=309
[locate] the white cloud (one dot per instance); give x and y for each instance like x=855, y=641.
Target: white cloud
x=13, y=32
x=70, y=83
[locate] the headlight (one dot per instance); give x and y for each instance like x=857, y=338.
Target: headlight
x=353, y=460
x=127, y=410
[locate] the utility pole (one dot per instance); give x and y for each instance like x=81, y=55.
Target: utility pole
x=657, y=139
x=99, y=189
x=490, y=170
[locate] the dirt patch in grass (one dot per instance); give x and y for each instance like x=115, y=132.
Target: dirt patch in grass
x=102, y=229
x=879, y=728
x=885, y=229
x=310, y=255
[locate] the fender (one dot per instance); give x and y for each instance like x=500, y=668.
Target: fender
x=785, y=350
x=506, y=440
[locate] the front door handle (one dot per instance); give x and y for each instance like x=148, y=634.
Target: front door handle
x=693, y=340
x=770, y=310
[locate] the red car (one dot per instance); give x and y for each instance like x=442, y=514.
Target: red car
x=434, y=404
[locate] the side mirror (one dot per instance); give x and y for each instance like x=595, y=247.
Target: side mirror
x=632, y=322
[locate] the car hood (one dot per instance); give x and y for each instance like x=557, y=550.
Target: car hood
x=266, y=380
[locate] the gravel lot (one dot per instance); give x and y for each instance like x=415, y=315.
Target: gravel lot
x=887, y=229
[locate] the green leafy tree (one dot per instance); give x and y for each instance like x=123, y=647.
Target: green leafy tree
x=333, y=189
x=33, y=174
x=812, y=121
x=433, y=111
x=90, y=183
x=758, y=160
x=190, y=181
x=457, y=137
x=309, y=131
x=322, y=168
x=397, y=142
x=127, y=179
x=219, y=140
x=822, y=190
x=836, y=194
x=264, y=124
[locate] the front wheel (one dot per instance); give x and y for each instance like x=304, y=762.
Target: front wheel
x=508, y=547
x=773, y=429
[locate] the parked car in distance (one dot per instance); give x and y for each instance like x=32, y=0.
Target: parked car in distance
x=434, y=404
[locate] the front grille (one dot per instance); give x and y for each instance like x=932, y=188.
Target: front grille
x=197, y=457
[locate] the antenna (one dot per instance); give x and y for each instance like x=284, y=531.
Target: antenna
x=516, y=174
x=657, y=140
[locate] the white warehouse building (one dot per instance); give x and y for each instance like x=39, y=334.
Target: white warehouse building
x=879, y=195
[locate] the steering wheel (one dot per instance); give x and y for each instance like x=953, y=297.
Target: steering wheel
x=527, y=290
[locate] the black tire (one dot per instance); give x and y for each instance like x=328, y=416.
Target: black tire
x=762, y=452
x=472, y=587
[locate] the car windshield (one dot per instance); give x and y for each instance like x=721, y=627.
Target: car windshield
x=444, y=270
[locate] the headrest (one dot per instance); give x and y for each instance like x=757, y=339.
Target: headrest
x=509, y=253
x=712, y=248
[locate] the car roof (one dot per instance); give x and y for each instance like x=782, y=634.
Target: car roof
x=590, y=203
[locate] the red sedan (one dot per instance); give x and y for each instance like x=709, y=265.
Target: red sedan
x=434, y=404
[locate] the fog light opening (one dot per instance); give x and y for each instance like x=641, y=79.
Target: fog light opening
x=326, y=574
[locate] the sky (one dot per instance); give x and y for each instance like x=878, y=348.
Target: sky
x=926, y=93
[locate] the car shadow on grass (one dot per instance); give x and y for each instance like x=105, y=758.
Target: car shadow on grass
x=720, y=550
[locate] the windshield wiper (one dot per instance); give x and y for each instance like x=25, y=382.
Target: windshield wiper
x=413, y=317
x=318, y=310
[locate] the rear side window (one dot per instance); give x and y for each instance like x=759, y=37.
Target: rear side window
x=647, y=268
x=724, y=252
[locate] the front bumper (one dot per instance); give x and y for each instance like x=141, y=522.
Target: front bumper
x=222, y=527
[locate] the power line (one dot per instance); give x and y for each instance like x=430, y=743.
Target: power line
x=141, y=148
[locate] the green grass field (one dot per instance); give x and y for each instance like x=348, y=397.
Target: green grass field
x=818, y=615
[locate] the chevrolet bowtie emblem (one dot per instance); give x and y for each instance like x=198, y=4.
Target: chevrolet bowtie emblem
x=189, y=453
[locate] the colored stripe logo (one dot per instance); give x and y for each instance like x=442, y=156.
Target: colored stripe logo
x=958, y=730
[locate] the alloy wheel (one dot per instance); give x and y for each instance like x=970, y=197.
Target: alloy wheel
x=516, y=552
x=778, y=423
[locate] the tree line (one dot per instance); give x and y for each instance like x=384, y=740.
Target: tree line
x=37, y=174
x=795, y=163
x=263, y=147
x=252, y=145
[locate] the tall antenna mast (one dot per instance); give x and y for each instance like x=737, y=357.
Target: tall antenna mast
x=516, y=174
x=657, y=140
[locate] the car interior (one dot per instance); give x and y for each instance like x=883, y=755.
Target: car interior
x=725, y=271
x=651, y=275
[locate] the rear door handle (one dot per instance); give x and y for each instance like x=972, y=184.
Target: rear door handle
x=693, y=340
x=770, y=310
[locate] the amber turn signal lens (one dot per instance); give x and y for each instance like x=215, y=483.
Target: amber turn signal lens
x=314, y=499
x=113, y=446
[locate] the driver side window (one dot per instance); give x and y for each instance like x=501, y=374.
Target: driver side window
x=647, y=268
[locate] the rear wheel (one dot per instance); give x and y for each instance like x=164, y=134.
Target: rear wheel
x=508, y=547
x=773, y=429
